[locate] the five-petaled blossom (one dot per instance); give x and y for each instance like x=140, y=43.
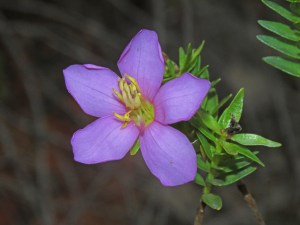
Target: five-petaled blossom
x=134, y=107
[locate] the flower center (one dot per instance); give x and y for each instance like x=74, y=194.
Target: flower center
x=139, y=110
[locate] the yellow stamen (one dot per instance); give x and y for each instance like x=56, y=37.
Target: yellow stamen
x=133, y=89
x=126, y=116
x=118, y=95
x=140, y=111
x=125, y=124
x=133, y=81
x=121, y=84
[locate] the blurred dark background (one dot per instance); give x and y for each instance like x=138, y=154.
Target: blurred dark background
x=39, y=181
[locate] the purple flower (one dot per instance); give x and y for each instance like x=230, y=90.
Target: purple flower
x=136, y=106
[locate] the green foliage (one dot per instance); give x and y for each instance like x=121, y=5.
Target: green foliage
x=234, y=109
x=254, y=139
x=283, y=64
x=189, y=61
x=222, y=155
x=286, y=39
x=225, y=179
x=199, y=180
x=212, y=200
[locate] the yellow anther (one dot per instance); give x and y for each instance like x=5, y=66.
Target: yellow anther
x=127, y=115
x=124, y=125
x=123, y=118
x=118, y=95
x=126, y=88
x=121, y=84
x=133, y=81
x=126, y=100
x=140, y=111
x=126, y=118
x=133, y=89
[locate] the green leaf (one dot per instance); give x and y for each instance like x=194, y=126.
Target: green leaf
x=215, y=82
x=212, y=101
x=209, y=121
x=224, y=159
x=196, y=52
x=286, y=48
x=182, y=57
x=208, y=134
x=229, y=148
x=254, y=139
x=284, y=65
x=235, y=108
x=212, y=200
x=135, y=148
x=188, y=58
x=196, y=68
x=282, y=11
x=234, y=166
x=205, y=146
x=222, y=102
x=280, y=29
x=205, y=166
x=227, y=179
x=245, y=152
x=204, y=74
x=199, y=180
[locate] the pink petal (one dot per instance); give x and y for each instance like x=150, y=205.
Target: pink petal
x=180, y=98
x=103, y=140
x=168, y=154
x=142, y=59
x=91, y=86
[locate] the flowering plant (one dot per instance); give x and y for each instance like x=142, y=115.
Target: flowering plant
x=135, y=112
x=136, y=109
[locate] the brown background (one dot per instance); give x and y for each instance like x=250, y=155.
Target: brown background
x=39, y=181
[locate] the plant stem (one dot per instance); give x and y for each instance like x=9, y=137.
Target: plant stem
x=200, y=214
x=251, y=202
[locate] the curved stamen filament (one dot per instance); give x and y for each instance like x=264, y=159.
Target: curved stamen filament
x=139, y=110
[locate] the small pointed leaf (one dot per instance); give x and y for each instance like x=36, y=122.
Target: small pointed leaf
x=282, y=46
x=222, y=102
x=254, y=139
x=212, y=101
x=215, y=82
x=205, y=166
x=245, y=152
x=229, y=168
x=182, y=57
x=208, y=134
x=205, y=145
x=212, y=200
x=282, y=11
x=199, y=180
x=228, y=147
x=197, y=51
x=232, y=178
x=281, y=29
x=235, y=108
x=284, y=65
x=209, y=121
